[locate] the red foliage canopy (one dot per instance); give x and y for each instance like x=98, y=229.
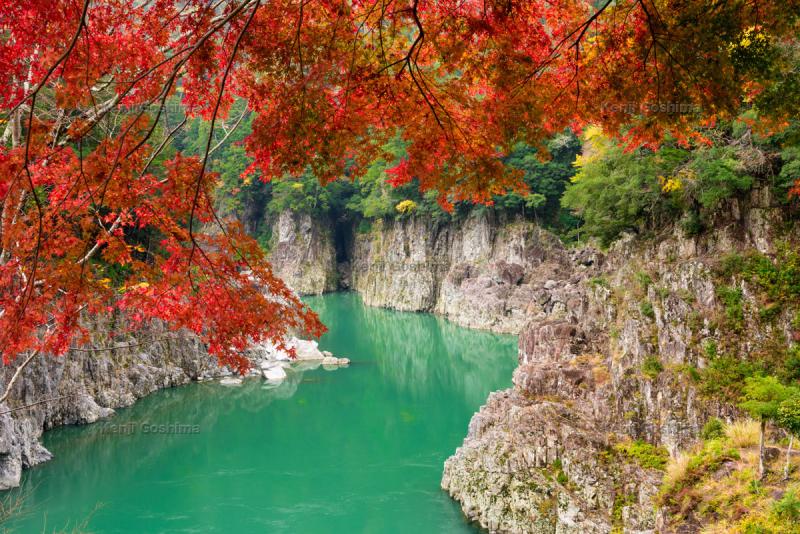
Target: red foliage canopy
x=87, y=221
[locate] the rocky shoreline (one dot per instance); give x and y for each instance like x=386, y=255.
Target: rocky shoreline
x=90, y=383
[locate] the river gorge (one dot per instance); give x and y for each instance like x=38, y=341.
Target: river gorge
x=356, y=449
x=608, y=345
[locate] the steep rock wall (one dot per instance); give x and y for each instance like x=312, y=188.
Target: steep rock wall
x=303, y=253
x=480, y=272
x=545, y=456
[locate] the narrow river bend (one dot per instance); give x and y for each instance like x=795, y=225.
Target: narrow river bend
x=346, y=451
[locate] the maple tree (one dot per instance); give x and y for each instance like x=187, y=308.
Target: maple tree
x=94, y=218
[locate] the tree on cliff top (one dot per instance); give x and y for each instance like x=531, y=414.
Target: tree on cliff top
x=94, y=217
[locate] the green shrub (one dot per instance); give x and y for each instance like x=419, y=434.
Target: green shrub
x=770, y=312
x=713, y=429
x=615, y=192
x=364, y=226
x=644, y=280
x=651, y=367
x=718, y=176
x=692, y=224
x=647, y=310
x=724, y=376
x=788, y=507
x=732, y=299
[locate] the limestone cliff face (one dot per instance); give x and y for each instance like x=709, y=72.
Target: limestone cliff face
x=480, y=272
x=303, y=253
x=88, y=384
x=545, y=456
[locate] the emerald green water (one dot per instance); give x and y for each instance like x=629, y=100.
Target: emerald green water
x=347, y=451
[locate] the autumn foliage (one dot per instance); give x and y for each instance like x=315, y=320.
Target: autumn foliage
x=96, y=220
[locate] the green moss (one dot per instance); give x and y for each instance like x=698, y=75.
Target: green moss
x=621, y=500
x=644, y=454
x=646, y=307
x=732, y=299
x=652, y=367
x=558, y=469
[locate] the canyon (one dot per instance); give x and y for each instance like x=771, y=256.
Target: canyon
x=608, y=341
x=548, y=454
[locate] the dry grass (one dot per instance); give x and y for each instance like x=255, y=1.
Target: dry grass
x=676, y=469
x=743, y=434
x=723, y=527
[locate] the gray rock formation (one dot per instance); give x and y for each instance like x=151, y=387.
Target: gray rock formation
x=88, y=384
x=303, y=253
x=582, y=385
x=478, y=273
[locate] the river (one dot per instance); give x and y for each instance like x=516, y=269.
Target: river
x=354, y=450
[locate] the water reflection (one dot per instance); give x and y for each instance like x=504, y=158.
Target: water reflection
x=418, y=352
x=358, y=449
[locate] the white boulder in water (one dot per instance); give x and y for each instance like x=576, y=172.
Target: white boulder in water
x=274, y=374
x=307, y=350
x=231, y=381
x=333, y=361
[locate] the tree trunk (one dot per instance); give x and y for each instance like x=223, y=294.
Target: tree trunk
x=788, y=457
x=761, y=449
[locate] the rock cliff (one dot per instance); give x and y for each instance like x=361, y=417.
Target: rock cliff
x=479, y=272
x=606, y=372
x=303, y=253
x=88, y=384
x=610, y=348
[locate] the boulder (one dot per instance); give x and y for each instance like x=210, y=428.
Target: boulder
x=274, y=374
x=307, y=350
x=231, y=381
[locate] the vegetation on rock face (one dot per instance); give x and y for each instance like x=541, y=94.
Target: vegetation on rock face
x=717, y=488
x=617, y=191
x=644, y=454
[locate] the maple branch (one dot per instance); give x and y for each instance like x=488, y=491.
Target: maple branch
x=223, y=81
x=40, y=228
x=228, y=133
x=17, y=374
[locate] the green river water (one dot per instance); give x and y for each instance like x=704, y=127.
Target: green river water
x=353, y=450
